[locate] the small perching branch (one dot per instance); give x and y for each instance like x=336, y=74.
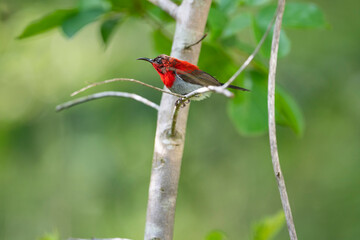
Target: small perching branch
x=195, y=43
x=219, y=90
x=123, y=79
x=106, y=94
x=215, y=89
x=168, y=6
x=272, y=126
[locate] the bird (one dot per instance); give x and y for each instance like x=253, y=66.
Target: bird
x=182, y=77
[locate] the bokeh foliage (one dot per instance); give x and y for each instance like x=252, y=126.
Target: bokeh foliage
x=226, y=20
x=85, y=172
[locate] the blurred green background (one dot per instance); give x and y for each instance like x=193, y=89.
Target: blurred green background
x=85, y=172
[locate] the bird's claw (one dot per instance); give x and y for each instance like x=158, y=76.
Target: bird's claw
x=182, y=102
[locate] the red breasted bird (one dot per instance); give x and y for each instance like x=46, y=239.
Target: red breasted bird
x=183, y=77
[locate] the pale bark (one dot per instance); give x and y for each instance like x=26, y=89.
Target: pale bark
x=168, y=150
x=272, y=125
x=166, y=5
x=106, y=94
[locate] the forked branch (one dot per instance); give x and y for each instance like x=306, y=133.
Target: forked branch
x=272, y=126
x=168, y=6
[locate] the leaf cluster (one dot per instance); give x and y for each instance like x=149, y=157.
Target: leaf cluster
x=234, y=29
x=265, y=229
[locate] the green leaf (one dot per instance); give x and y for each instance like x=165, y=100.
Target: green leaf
x=223, y=67
x=237, y=23
x=248, y=110
x=74, y=23
x=94, y=4
x=47, y=22
x=159, y=14
x=217, y=21
x=296, y=15
x=303, y=15
x=50, y=236
x=254, y=2
x=227, y=6
x=133, y=7
x=107, y=28
x=260, y=25
x=216, y=235
x=267, y=228
x=287, y=112
x=161, y=42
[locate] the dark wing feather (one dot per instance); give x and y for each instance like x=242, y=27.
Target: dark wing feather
x=237, y=88
x=198, y=77
x=203, y=79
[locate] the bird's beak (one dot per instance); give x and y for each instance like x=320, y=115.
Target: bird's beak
x=146, y=59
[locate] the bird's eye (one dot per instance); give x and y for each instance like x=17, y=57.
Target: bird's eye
x=158, y=60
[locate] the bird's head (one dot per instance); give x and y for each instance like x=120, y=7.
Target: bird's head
x=161, y=63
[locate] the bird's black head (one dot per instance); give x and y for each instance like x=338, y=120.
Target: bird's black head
x=159, y=62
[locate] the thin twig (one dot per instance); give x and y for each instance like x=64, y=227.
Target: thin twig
x=167, y=5
x=123, y=79
x=272, y=126
x=215, y=89
x=106, y=94
x=251, y=57
x=197, y=42
x=174, y=119
x=188, y=96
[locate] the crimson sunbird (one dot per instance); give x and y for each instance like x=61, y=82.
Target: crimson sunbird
x=182, y=77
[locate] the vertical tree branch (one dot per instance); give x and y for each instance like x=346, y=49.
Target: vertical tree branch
x=167, y=5
x=168, y=149
x=272, y=128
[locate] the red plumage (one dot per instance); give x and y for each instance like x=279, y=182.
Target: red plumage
x=167, y=67
x=182, y=77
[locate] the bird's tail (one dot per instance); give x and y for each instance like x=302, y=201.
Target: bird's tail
x=237, y=88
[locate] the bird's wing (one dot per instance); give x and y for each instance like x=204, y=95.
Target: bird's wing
x=198, y=77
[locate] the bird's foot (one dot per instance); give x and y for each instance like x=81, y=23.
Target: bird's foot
x=182, y=102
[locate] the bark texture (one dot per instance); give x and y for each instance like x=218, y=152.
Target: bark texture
x=168, y=150
x=272, y=124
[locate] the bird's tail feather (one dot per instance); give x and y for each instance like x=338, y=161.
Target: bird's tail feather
x=237, y=88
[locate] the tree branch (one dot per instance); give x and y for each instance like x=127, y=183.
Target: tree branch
x=188, y=96
x=106, y=94
x=168, y=150
x=195, y=43
x=123, y=79
x=168, y=6
x=272, y=127
x=215, y=89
